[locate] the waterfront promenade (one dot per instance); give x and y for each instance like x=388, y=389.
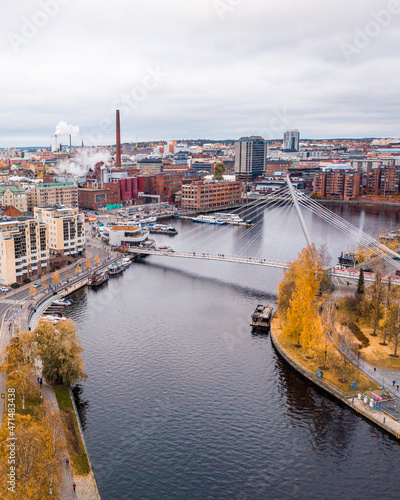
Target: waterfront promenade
x=383, y=420
x=20, y=311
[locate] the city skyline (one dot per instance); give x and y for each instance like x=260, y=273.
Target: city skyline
x=217, y=68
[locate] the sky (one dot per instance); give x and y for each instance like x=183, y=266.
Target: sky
x=211, y=69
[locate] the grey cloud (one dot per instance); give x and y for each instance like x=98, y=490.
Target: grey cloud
x=225, y=76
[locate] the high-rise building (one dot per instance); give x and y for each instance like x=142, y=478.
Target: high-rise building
x=250, y=158
x=291, y=140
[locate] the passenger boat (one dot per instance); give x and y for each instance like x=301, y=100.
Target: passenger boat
x=208, y=219
x=98, y=278
x=115, y=269
x=233, y=219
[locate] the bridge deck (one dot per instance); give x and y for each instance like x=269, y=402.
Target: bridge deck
x=206, y=256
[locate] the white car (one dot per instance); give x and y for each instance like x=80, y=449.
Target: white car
x=4, y=289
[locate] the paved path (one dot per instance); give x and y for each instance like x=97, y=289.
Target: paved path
x=381, y=376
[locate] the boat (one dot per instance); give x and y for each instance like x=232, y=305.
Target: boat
x=208, y=219
x=233, y=219
x=126, y=262
x=98, y=278
x=53, y=318
x=162, y=229
x=148, y=220
x=115, y=269
x=261, y=318
x=62, y=302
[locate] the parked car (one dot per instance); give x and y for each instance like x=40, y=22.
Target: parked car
x=37, y=285
x=4, y=289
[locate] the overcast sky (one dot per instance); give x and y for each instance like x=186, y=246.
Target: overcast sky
x=198, y=69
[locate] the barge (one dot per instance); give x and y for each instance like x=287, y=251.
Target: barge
x=261, y=318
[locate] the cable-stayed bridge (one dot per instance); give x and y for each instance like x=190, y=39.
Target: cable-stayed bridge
x=206, y=247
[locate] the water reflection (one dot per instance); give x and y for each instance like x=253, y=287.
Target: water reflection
x=81, y=403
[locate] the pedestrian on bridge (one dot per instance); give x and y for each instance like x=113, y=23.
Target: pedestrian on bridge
x=394, y=383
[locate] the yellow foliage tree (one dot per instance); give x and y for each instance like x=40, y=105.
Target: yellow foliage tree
x=97, y=259
x=88, y=263
x=296, y=298
x=32, y=290
x=56, y=278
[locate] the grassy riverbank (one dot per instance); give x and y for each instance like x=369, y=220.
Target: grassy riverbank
x=75, y=446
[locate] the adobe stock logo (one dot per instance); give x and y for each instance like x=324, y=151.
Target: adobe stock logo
x=31, y=27
x=372, y=29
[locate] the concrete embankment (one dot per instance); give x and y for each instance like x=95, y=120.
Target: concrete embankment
x=379, y=418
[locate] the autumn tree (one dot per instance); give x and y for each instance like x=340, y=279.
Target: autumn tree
x=78, y=269
x=97, y=259
x=37, y=455
x=32, y=290
x=56, y=278
x=219, y=171
x=296, y=299
x=60, y=352
x=18, y=367
x=88, y=263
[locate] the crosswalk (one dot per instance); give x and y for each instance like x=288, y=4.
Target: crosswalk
x=12, y=301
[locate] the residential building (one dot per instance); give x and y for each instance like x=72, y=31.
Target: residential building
x=14, y=196
x=24, y=251
x=339, y=183
x=202, y=196
x=66, y=231
x=291, y=140
x=56, y=193
x=250, y=158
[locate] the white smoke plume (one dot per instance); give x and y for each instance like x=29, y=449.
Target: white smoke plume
x=84, y=160
x=63, y=128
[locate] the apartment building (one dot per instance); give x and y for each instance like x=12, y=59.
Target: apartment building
x=66, y=228
x=202, y=196
x=14, y=196
x=250, y=158
x=24, y=249
x=337, y=183
x=50, y=194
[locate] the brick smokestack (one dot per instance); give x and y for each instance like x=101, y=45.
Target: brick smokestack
x=118, y=153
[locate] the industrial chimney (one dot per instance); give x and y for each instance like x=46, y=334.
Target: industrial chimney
x=118, y=152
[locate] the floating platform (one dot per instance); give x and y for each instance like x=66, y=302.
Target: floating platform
x=261, y=318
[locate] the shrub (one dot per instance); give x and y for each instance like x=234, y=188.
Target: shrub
x=15, y=285
x=27, y=280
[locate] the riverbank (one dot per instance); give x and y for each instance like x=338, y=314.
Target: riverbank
x=352, y=400
x=374, y=203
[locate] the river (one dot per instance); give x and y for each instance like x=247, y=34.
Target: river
x=184, y=402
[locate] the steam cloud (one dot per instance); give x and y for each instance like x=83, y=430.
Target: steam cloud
x=84, y=160
x=63, y=128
